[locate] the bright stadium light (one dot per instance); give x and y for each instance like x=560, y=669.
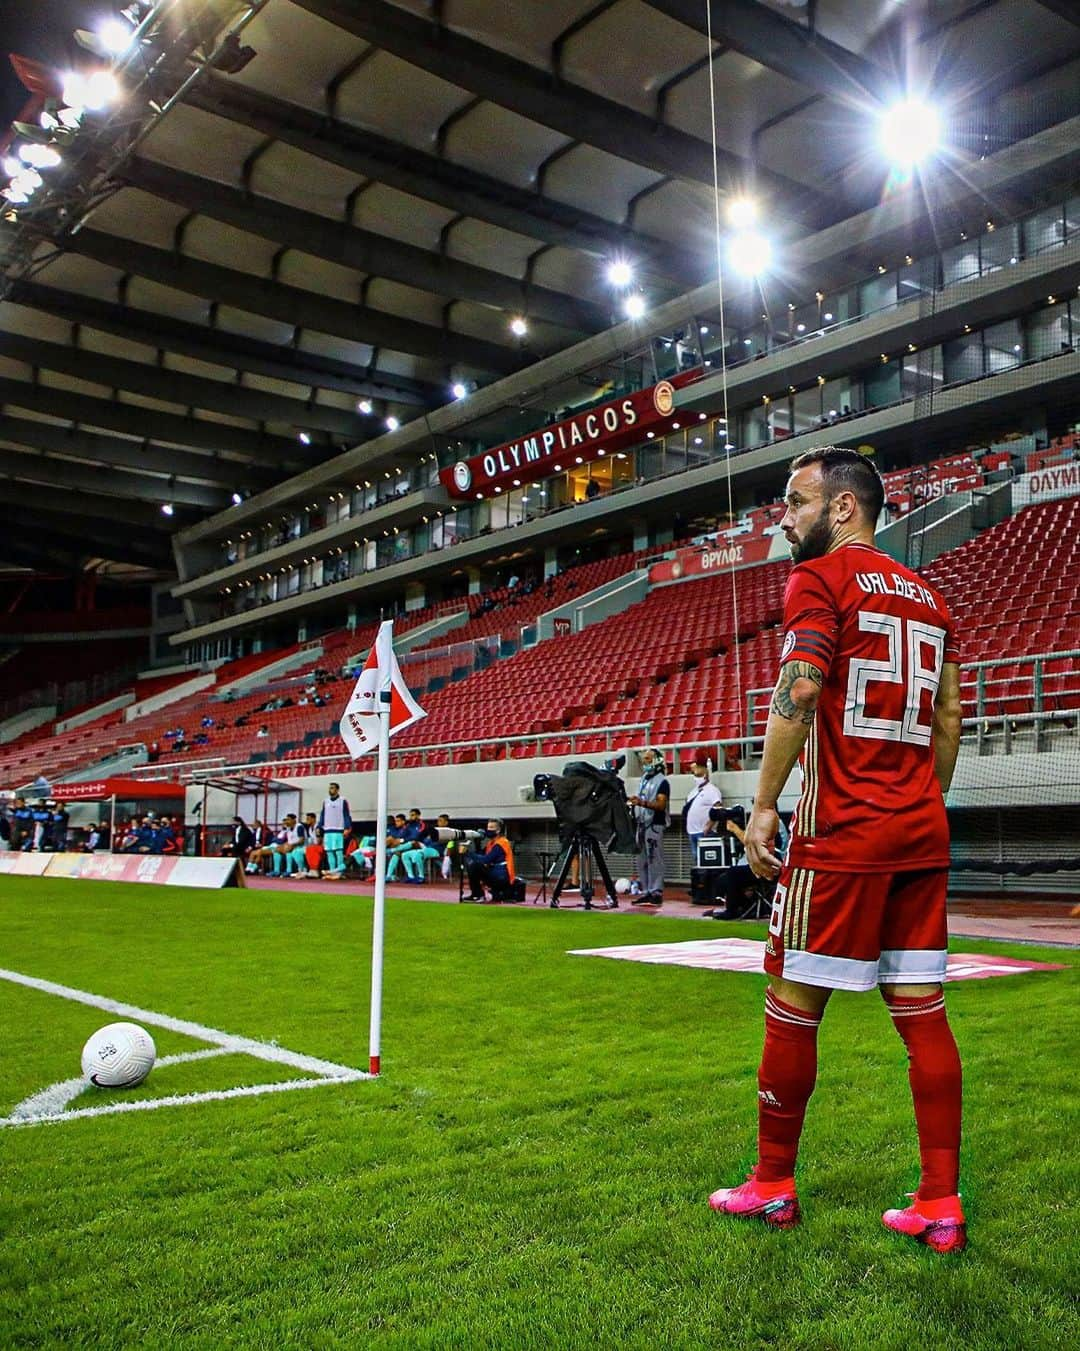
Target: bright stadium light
x=741, y=213
x=115, y=36
x=392, y=424
x=620, y=273
x=909, y=132
x=364, y=406
x=634, y=306
x=458, y=390
x=92, y=92
x=750, y=254
x=40, y=156
x=305, y=439
x=166, y=508
x=518, y=326
x=237, y=499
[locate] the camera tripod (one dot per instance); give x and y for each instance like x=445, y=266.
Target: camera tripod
x=586, y=849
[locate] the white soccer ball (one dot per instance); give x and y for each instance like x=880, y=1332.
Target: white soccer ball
x=120, y=1055
x=622, y=886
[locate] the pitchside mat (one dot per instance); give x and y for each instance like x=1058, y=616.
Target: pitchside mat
x=745, y=954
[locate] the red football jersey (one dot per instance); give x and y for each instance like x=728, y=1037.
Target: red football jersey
x=870, y=801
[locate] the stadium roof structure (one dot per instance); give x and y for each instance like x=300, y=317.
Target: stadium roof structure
x=307, y=217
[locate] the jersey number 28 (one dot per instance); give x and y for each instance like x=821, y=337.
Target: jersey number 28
x=909, y=641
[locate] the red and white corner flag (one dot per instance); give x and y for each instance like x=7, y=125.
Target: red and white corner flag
x=360, y=721
x=379, y=706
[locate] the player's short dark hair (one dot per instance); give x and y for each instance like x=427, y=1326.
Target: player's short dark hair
x=846, y=470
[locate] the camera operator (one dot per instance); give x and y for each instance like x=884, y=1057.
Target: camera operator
x=650, y=804
x=702, y=796
x=697, y=822
x=493, y=866
x=739, y=882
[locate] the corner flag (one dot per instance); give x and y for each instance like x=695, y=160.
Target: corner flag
x=379, y=705
x=360, y=721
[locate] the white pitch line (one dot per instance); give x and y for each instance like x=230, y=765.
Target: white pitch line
x=51, y=1101
x=185, y=1099
x=262, y=1050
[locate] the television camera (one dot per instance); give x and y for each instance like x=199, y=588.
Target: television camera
x=590, y=805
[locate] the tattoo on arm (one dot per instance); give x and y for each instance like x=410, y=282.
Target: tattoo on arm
x=797, y=704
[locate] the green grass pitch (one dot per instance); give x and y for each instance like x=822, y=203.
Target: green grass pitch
x=531, y=1170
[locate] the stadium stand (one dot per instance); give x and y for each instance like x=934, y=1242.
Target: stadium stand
x=693, y=678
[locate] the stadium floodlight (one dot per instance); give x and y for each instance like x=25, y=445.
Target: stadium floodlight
x=115, y=36
x=392, y=424
x=27, y=180
x=741, y=213
x=166, y=508
x=237, y=498
x=364, y=406
x=909, y=132
x=305, y=439
x=458, y=390
x=749, y=254
x=620, y=273
x=89, y=92
x=634, y=306
x=11, y=165
x=518, y=326
x=39, y=156
x=110, y=39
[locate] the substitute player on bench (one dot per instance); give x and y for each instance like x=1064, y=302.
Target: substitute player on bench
x=869, y=695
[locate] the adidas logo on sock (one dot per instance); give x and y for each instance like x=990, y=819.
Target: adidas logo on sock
x=768, y=1098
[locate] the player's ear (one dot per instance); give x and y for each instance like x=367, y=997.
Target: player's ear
x=845, y=505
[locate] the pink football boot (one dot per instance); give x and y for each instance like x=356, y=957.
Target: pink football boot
x=775, y=1203
x=939, y=1224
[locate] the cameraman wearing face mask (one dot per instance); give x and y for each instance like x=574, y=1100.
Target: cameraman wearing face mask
x=701, y=797
x=650, y=804
x=493, y=865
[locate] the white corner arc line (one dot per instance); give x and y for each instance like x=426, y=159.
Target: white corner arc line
x=56, y=1097
x=43, y=1109
x=261, y=1050
x=185, y=1099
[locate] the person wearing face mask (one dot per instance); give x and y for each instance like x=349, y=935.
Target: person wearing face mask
x=701, y=797
x=650, y=804
x=493, y=865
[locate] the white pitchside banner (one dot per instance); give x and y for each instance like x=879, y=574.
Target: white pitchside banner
x=379, y=706
x=360, y=721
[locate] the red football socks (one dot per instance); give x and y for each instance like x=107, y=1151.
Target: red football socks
x=935, y=1077
x=786, y=1079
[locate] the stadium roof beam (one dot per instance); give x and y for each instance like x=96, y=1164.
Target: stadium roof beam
x=138, y=455
x=108, y=482
x=222, y=348
x=191, y=391
x=134, y=420
x=101, y=517
x=780, y=45
x=1064, y=9
x=431, y=179
x=362, y=250
x=292, y=304
x=541, y=96
x=72, y=546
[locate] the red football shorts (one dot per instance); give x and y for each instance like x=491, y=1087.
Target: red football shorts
x=855, y=931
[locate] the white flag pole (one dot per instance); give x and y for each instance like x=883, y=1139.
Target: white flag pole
x=381, y=808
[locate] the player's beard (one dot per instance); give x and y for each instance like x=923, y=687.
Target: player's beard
x=815, y=543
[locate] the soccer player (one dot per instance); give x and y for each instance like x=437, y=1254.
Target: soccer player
x=868, y=695
x=335, y=822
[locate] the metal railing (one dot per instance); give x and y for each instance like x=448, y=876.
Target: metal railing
x=986, y=691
